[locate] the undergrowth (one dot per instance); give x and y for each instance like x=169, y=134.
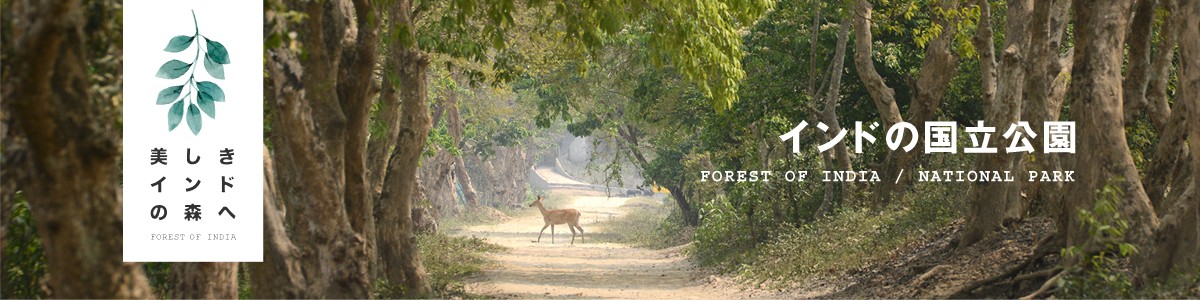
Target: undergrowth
x=850, y=238
x=467, y=218
x=448, y=260
x=647, y=223
x=1107, y=273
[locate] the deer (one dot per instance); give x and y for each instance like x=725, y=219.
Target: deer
x=553, y=217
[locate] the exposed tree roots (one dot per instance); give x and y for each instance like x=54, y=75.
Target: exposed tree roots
x=1040, y=250
x=1046, y=286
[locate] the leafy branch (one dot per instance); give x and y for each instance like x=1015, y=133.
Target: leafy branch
x=201, y=96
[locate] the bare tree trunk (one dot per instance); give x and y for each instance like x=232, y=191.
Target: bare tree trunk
x=1138, y=62
x=437, y=173
x=279, y=274
x=828, y=115
x=1177, y=242
x=380, y=148
x=1100, y=27
x=985, y=45
x=989, y=200
x=204, y=280
x=397, y=242
x=1171, y=158
x=1170, y=161
x=356, y=90
x=489, y=173
x=74, y=187
x=1045, y=79
x=1156, y=90
x=460, y=169
x=937, y=68
x=690, y=216
x=311, y=139
x=884, y=96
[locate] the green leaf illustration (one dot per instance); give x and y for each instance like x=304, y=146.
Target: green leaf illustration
x=193, y=119
x=207, y=93
x=173, y=69
x=210, y=90
x=216, y=70
x=206, y=105
x=174, y=115
x=217, y=52
x=168, y=95
x=179, y=43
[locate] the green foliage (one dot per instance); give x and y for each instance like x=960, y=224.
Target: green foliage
x=440, y=138
x=1143, y=140
x=245, y=286
x=159, y=275
x=24, y=257
x=1095, y=274
x=448, y=260
x=846, y=240
x=648, y=223
x=504, y=133
x=838, y=244
x=206, y=92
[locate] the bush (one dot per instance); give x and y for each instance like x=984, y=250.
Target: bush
x=447, y=260
x=649, y=223
x=846, y=240
x=24, y=259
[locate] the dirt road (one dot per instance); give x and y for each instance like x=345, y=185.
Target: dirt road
x=587, y=269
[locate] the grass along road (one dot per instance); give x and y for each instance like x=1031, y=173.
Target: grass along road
x=588, y=269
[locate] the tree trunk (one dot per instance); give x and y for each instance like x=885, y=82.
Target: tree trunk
x=985, y=45
x=1177, y=242
x=436, y=172
x=690, y=217
x=1156, y=90
x=204, y=280
x=630, y=136
x=310, y=140
x=489, y=173
x=989, y=200
x=884, y=96
x=460, y=168
x=1100, y=27
x=380, y=148
x=1138, y=62
x=356, y=90
x=1045, y=79
x=279, y=274
x=397, y=242
x=74, y=186
x=828, y=115
x=1171, y=158
x=937, y=68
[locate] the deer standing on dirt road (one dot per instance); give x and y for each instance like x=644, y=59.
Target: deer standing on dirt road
x=553, y=217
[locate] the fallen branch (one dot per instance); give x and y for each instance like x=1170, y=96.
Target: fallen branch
x=1046, y=286
x=1039, y=251
x=1038, y=274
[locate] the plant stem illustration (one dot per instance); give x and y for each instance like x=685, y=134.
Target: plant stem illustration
x=201, y=96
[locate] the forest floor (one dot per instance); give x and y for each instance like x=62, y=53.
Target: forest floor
x=587, y=269
x=926, y=268
x=932, y=268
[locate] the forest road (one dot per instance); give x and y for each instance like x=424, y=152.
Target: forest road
x=586, y=269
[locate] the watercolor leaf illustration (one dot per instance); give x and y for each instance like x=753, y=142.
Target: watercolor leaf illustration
x=201, y=96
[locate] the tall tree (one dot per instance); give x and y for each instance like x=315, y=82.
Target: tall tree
x=937, y=68
x=828, y=115
x=73, y=176
x=321, y=97
x=1177, y=240
x=989, y=200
